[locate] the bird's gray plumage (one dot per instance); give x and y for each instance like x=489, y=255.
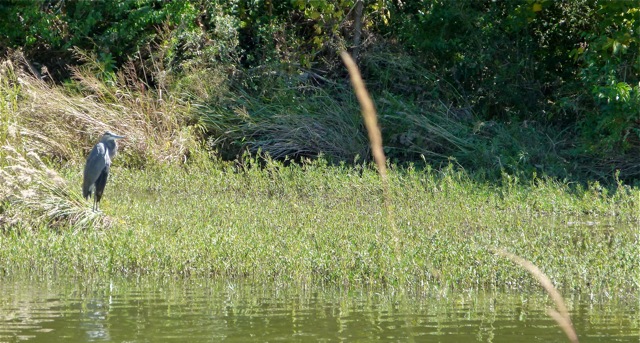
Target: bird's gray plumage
x=96, y=170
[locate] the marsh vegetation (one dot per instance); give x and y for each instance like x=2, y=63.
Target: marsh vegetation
x=250, y=159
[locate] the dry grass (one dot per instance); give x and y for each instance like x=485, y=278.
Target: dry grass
x=375, y=138
x=369, y=115
x=44, y=121
x=63, y=125
x=38, y=195
x=561, y=316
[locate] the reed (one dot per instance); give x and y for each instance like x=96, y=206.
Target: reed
x=63, y=123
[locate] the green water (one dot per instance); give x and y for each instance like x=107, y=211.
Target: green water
x=213, y=311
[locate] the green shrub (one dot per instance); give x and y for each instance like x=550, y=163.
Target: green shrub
x=608, y=100
x=116, y=31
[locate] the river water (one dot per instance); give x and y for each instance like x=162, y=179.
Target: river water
x=202, y=310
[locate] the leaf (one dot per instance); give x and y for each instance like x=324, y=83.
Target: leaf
x=623, y=91
x=300, y=4
x=619, y=47
x=315, y=15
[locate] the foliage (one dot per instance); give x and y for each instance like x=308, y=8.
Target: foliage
x=548, y=61
x=609, y=70
x=299, y=34
x=116, y=31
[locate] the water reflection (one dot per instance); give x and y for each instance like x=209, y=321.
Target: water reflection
x=207, y=311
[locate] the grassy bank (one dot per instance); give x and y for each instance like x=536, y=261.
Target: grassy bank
x=318, y=223
x=173, y=210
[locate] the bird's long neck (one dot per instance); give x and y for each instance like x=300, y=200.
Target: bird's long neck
x=112, y=147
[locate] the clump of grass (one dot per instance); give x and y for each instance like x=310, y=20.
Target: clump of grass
x=286, y=115
x=63, y=123
x=44, y=121
x=291, y=121
x=34, y=195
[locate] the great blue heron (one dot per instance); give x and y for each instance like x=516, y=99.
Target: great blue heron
x=96, y=170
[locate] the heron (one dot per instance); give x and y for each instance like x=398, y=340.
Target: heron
x=96, y=170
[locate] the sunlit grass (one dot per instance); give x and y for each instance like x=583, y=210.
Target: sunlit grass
x=44, y=126
x=321, y=224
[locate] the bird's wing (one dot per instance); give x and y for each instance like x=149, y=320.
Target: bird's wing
x=97, y=160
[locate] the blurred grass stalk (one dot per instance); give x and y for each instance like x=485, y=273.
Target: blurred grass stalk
x=561, y=316
x=375, y=139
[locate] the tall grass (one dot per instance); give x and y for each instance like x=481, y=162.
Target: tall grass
x=289, y=116
x=64, y=122
x=35, y=195
x=43, y=121
x=289, y=121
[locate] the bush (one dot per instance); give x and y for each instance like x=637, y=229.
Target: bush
x=115, y=31
x=608, y=99
x=574, y=64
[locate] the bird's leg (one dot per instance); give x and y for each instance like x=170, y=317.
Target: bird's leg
x=98, y=198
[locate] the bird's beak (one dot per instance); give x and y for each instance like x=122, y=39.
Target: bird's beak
x=118, y=137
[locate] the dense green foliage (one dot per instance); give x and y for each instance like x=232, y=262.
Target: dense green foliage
x=453, y=79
